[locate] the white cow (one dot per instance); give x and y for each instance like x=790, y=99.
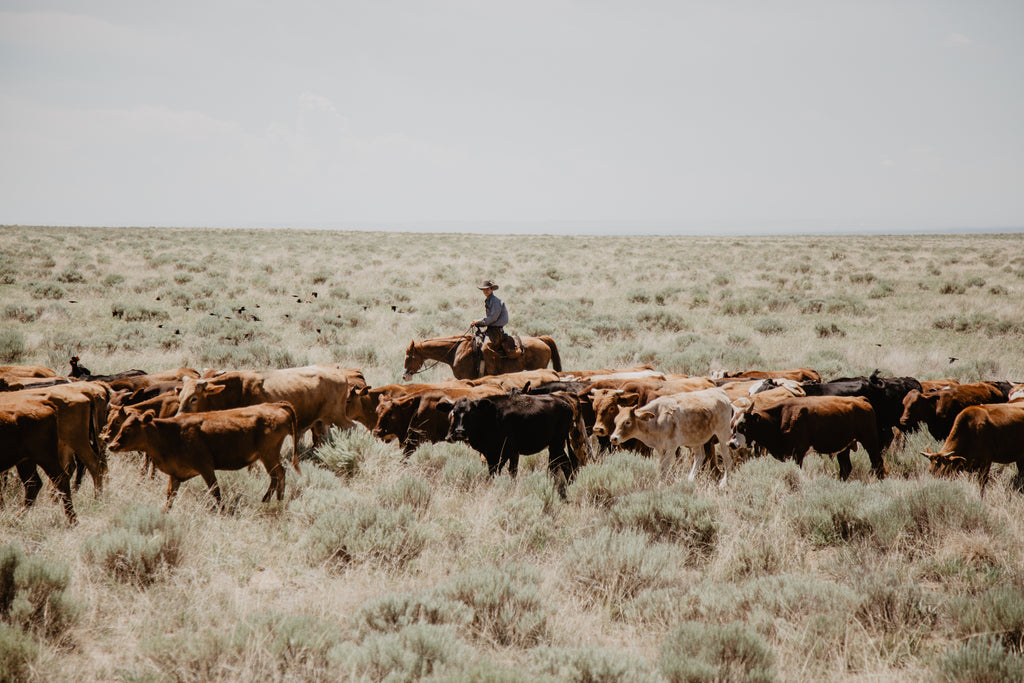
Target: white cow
x=688, y=419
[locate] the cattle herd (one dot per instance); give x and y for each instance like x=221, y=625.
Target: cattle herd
x=187, y=423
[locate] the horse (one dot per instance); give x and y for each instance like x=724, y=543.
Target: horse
x=457, y=351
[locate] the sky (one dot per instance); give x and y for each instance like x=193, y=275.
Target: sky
x=633, y=116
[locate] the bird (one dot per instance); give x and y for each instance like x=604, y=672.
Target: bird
x=953, y=360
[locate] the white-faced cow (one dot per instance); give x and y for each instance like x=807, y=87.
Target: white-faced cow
x=667, y=423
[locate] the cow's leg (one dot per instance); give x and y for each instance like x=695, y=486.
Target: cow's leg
x=665, y=458
x=983, y=476
x=212, y=486
x=513, y=465
x=62, y=482
x=172, y=490
x=726, y=454
x=30, y=479
x=844, y=463
x=276, y=472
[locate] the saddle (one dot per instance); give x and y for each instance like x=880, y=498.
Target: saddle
x=511, y=347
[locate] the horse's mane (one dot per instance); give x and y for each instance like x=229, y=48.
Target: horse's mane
x=452, y=339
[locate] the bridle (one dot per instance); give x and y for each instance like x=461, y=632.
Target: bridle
x=425, y=368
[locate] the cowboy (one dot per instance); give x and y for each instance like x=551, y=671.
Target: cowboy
x=495, y=318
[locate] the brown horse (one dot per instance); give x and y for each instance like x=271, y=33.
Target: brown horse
x=457, y=352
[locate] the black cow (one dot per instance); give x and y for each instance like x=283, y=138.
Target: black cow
x=884, y=393
x=504, y=427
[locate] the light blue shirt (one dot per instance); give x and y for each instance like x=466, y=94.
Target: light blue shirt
x=495, y=313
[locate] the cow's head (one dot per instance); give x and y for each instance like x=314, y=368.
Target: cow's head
x=465, y=414
x=393, y=417
x=130, y=437
x=944, y=464
x=361, y=406
x=606, y=404
x=917, y=407
x=193, y=395
x=628, y=422
x=413, y=361
x=742, y=416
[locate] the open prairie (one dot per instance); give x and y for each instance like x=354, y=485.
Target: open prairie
x=376, y=567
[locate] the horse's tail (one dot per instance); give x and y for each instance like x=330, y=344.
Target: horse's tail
x=556, y=360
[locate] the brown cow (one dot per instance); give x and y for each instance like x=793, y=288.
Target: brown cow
x=797, y=374
x=26, y=371
x=517, y=380
x=319, y=394
x=29, y=432
x=414, y=418
x=363, y=401
x=928, y=385
x=982, y=435
x=938, y=409
x=828, y=424
x=82, y=407
x=198, y=444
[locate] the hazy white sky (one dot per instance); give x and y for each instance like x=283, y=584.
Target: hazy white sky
x=652, y=116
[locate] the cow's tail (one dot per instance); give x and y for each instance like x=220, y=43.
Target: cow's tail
x=579, y=443
x=556, y=360
x=294, y=423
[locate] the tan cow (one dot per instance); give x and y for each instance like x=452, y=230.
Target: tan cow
x=690, y=419
x=319, y=394
x=26, y=371
x=185, y=446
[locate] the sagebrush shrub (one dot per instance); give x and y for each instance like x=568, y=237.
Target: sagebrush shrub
x=708, y=652
x=411, y=654
x=40, y=602
x=616, y=475
x=409, y=490
x=393, y=612
x=12, y=346
x=592, y=665
x=669, y=515
x=144, y=544
x=615, y=566
x=507, y=604
x=17, y=652
x=998, y=612
x=981, y=660
x=366, y=533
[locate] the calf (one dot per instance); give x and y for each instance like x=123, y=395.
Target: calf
x=938, y=409
x=829, y=424
x=198, y=444
x=982, y=435
x=419, y=417
x=504, y=427
x=690, y=419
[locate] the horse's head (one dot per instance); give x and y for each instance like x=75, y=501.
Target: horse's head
x=413, y=361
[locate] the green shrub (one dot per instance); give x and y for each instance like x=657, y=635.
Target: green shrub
x=828, y=511
x=616, y=475
x=701, y=652
x=615, y=566
x=343, y=454
x=507, y=605
x=17, y=653
x=923, y=512
x=464, y=471
x=998, y=612
x=981, y=660
x=952, y=288
x=769, y=326
x=898, y=613
x=409, y=490
x=23, y=314
x=114, y=280
x=47, y=290
x=12, y=346
x=393, y=612
x=669, y=515
x=825, y=331
x=366, y=533
x=416, y=652
x=145, y=544
x=71, y=275
x=592, y=665
x=40, y=601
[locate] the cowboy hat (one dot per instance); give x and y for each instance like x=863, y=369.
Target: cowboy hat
x=487, y=284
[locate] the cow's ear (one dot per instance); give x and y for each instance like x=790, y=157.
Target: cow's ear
x=526, y=387
x=630, y=399
x=445, y=405
x=644, y=415
x=147, y=417
x=215, y=388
